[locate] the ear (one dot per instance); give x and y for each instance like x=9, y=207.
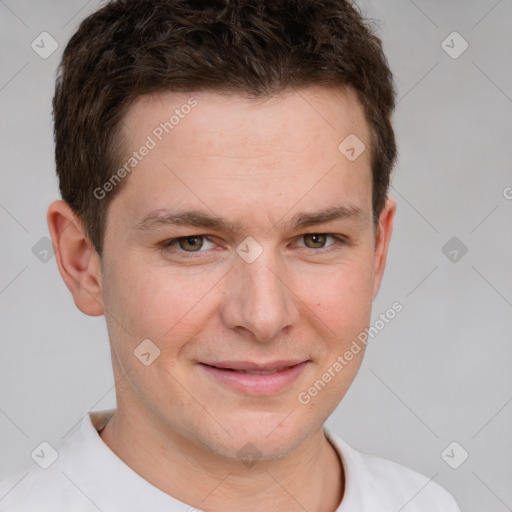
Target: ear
x=382, y=238
x=78, y=262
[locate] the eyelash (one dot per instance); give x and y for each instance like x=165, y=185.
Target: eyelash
x=340, y=240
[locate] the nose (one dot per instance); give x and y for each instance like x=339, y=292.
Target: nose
x=259, y=300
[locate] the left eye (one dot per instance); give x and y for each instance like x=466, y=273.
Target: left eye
x=316, y=240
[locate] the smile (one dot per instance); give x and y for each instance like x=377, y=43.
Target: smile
x=253, y=379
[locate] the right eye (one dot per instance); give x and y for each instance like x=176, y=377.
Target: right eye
x=187, y=244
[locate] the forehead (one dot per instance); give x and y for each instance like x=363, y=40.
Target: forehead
x=335, y=108
x=208, y=148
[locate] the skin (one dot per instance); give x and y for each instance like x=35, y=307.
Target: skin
x=259, y=163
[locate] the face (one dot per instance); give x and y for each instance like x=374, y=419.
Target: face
x=242, y=249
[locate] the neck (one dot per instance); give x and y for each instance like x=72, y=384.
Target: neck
x=311, y=478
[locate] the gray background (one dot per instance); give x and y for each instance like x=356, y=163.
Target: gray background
x=439, y=372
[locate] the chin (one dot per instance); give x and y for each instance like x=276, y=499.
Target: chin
x=253, y=440
x=253, y=449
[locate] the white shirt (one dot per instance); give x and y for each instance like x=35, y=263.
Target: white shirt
x=89, y=477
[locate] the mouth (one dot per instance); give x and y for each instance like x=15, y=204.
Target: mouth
x=253, y=372
x=254, y=378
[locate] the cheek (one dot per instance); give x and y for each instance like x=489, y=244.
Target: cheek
x=340, y=294
x=161, y=301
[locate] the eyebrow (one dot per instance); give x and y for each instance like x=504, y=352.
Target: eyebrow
x=196, y=218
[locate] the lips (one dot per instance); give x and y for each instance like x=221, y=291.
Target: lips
x=257, y=379
x=257, y=372
x=255, y=368
x=253, y=372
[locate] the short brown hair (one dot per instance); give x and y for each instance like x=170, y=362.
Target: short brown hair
x=251, y=48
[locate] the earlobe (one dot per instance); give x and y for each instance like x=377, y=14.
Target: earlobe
x=77, y=260
x=382, y=239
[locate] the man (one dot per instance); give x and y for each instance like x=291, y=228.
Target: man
x=224, y=169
